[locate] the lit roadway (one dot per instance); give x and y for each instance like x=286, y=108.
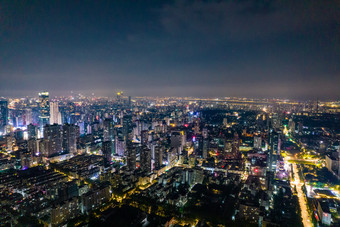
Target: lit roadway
x=306, y=219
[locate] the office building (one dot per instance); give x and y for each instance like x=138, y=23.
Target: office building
x=44, y=108
x=70, y=135
x=53, y=139
x=3, y=115
x=108, y=130
x=107, y=150
x=131, y=156
x=55, y=115
x=32, y=131
x=145, y=159
x=158, y=157
x=257, y=142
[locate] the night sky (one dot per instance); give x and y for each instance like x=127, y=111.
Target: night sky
x=287, y=49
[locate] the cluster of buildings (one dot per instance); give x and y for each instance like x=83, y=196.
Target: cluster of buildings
x=70, y=156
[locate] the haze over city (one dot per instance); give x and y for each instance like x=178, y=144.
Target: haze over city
x=283, y=49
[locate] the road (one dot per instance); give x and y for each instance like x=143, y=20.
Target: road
x=306, y=219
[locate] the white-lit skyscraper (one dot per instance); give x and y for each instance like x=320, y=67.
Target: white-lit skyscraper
x=55, y=116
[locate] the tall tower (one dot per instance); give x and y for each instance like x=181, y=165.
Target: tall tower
x=44, y=108
x=145, y=159
x=205, y=148
x=108, y=130
x=55, y=116
x=107, y=150
x=235, y=149
x=3, y=115
x=158, y=157
x=131, y=156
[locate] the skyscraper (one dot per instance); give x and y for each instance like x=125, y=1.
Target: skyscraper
x=131, y=156
x=158, y=157
x=53, y=139
x=107, y=150
x=257, y=142
x=235, y=149
x=145, y=159
x=3, y=115
x=70, y=133
x=205, y=148
x=32, y=131
x=44, y=108
x=55, y=115
x=108, y=130
x=28, y=116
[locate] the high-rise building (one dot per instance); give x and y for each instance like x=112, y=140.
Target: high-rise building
x=291, y=126
x=131, y=156
x=108, y=130
x=235, y=149
x=205, y=133
x=44, y=108
x=28, y=116
x=158, y=157
x=145, y=159
x=3, y=115
x=55, y=115
x=205, y=148
x=119, y=146
x=70, y=134
x=32, y=146
x=175, y=139
x=53, y=138
x=225, y=122
x=107, y=150
x=257, y=142
x=32, y=131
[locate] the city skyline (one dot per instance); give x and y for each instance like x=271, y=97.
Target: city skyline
x=170, y=113
x=281, y=49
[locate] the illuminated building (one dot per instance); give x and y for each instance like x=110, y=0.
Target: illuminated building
x=225, y=122
x=235, y=147
x=28, y=117
x=205, y=148
x=108, y=127
x=64, y=211
x=32, y=131
x=131, y=156
x=119, y=97
x=95, y=198
x=53, y=139
x=55, y=115
x=107, y=150
x=257, y=142
x=44, y=108
x=70, y=134
x=145, y=160
x=3, y=115
x=324, y=212
x=333, y=163
x=158, y=157
x=32, y=146
x=176, y=139
x=205, y=133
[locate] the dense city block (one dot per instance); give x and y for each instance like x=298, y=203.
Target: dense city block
x=142, y=161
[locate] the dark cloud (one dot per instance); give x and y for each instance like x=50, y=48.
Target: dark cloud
x=199, y=48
